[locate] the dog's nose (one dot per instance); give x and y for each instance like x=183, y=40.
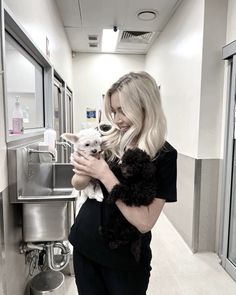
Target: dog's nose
x=94, y=151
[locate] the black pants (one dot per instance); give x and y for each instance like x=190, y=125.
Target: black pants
x=94, y=279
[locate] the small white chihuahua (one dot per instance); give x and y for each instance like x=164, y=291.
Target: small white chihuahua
x=89, y=141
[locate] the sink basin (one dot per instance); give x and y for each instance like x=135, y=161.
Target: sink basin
x=45, y=190
x=47, y=181
x=33, y=181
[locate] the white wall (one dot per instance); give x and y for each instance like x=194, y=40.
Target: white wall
x=186, y=61
x=231, y=21
x=212, y=80
x=40, y=19
x=175, y=61
x=230, y=37
x=94, y=74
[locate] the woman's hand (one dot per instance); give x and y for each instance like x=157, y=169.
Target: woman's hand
x=93, y=167
x=88, y=165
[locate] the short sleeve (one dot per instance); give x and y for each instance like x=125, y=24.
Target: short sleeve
x=166, y=175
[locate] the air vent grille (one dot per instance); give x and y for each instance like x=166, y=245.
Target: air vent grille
x=93, y=45
x=93, y=37
x=136, y=37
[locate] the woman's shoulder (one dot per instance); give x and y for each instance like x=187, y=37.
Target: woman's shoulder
x=168, y=148
x=166, y=152
x=166, y=172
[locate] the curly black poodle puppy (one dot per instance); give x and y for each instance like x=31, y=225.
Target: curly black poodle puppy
x=136, y=174
x=137, y=187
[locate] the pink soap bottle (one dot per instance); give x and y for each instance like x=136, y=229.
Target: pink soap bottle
x=17, y=118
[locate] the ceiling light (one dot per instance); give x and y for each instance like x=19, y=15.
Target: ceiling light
x=109, y=40
x=147, y=15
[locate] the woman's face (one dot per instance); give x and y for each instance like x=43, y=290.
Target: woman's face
x=118, y=116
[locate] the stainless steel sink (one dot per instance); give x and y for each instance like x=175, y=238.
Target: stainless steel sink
x=46, y=221
x=44, y=187
x=32, y=181
x=47, y=181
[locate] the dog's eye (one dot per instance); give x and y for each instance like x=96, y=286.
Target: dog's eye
x=87, y=144
x=95, y=142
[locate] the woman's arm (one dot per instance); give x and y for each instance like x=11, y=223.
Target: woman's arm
x=93, y=168
x=80, y=182
x=143, y=217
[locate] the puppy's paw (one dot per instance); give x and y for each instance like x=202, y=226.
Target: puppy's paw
x=99, y=198
x=120, y=191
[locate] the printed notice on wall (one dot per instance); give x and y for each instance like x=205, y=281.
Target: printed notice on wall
x=91, y=114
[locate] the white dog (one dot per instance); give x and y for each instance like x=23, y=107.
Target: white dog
x=89, y=141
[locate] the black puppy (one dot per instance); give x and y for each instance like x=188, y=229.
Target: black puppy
x=136, y=174
x=137, y=187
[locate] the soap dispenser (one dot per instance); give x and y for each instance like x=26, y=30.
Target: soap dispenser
x=50, y=139
x=17, y=117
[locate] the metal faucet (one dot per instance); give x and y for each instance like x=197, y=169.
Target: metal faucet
x=63, y=143
x=42, y=152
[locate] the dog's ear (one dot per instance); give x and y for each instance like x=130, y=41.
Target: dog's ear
x=72, y=138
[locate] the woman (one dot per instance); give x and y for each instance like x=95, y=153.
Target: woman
x=133, y=108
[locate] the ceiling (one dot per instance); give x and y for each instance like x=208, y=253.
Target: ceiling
x=85, y=19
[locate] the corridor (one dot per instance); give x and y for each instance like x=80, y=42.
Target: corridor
x=177, y=271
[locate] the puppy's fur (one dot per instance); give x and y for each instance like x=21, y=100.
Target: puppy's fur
x=89, y=141
x=137, y=187
x=136, y=174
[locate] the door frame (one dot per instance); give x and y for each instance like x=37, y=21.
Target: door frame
x=229, y=54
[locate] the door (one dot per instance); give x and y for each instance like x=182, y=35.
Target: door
x=2, y=168
x=58, y=117
x=228, y=205
x=232, y=215
x=68, y=107
x=62, y=119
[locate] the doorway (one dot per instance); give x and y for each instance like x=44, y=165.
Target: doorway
x=62, y=118
x=228, y=205
x=232, y=215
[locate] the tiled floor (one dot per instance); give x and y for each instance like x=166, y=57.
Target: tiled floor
x=176, y=271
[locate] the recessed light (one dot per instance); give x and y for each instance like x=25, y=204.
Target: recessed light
x=109, y=39
x=147, y=15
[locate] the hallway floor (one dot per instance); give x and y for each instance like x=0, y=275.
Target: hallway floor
x=176, y=271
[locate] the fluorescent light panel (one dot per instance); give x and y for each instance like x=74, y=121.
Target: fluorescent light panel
x=109, y=40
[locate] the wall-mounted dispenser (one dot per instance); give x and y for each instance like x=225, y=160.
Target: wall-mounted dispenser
x=17, y=117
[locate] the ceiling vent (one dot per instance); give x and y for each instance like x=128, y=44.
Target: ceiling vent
x=93, y=45
x=136, y=37
x=93, y=37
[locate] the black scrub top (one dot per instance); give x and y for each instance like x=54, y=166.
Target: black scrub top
x=85, y=236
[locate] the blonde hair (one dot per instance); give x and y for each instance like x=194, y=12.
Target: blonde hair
x=141, y=103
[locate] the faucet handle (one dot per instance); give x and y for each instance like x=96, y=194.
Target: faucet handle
x=64, y=144
x=33, y=151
